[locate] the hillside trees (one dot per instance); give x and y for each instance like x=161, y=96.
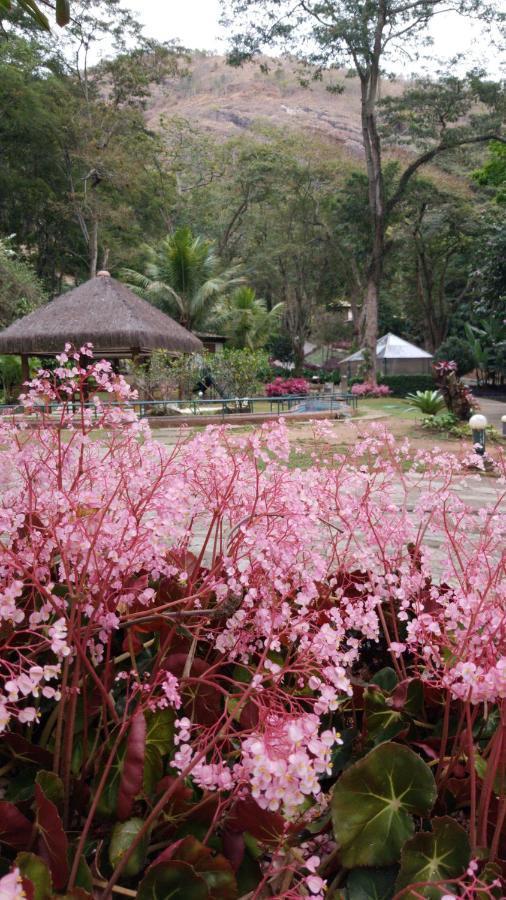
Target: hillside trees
x=364, y=36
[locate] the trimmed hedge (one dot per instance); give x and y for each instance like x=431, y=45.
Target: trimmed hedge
x=401, y=385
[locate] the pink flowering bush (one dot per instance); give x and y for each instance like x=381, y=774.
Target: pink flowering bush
x=224, y=677
x=370, y=389
x=283, y=387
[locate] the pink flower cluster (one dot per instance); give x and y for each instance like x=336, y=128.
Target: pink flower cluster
x=278, y=575
x=283, y=387
x=370, y=389
x=284, y=762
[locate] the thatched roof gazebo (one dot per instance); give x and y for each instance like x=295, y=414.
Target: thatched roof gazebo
x=103, y=312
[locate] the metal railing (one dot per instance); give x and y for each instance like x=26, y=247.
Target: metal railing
x=220, y=407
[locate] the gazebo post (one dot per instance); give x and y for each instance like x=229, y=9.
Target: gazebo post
x=25, y=368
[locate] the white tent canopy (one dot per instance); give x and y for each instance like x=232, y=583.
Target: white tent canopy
x=391, y=348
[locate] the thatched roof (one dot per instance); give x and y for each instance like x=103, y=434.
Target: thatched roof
x=101, y=311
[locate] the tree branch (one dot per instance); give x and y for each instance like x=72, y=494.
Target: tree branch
x=430, y=155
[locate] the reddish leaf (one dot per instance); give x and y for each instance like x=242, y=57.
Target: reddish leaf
x=133, y=767
x=15, y=829
x=181, y=798
x=24, y=751
x=202, y=699
x=52, y=842
x=262, y=824
x=28, y=888
x=233, y=847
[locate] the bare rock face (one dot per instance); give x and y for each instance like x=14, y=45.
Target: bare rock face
x=227, y=101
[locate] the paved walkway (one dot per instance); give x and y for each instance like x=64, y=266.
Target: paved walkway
x=493, y=410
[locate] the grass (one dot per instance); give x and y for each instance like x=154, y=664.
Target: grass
x=392, y=406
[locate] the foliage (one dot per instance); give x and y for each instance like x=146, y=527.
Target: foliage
x=458, y=350
x=447, y=423
x=282, y=387
x=221, y=740
x=487, y=342
x=239, y=373
x=427, y=402
x=246, y=321
x=493, y=173
x=401, y=385
x=370, y=389
x=20, y=290
x=184, y=277
x=458, y=398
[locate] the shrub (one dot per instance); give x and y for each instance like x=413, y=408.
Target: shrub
x=202, y=723
x=369, y=389
x=427, y=402
x=284, y=387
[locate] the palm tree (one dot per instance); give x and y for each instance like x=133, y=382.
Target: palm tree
x=184, y=277
x=245, y=319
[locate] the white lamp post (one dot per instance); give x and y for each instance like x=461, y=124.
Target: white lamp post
x=478, y=424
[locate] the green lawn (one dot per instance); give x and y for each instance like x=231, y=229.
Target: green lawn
x=391, y=406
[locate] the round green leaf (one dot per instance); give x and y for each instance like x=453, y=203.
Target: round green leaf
x=123, y=834
x=34, y=868
x=433, y=856
x=370, y=884
x=374, y=801
x=383, y=722
x=174, y=879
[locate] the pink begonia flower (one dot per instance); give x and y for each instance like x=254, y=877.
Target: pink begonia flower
x=11, y=886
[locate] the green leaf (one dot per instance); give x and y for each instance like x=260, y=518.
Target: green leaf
x=173, y=880
x=153, y=769
x=371, y=884
x=123, y=835
x=189, y=866
x=383, y=722
x=386, y=679
x=34, y=868
x=433, y=856
x=374, y=801
x=160, y=730
x=52, y=787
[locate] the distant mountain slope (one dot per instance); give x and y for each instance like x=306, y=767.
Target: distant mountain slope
x=226, y=101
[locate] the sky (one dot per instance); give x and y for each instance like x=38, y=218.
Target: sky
x=196, y=24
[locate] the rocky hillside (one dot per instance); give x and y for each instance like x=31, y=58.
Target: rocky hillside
x=226, y=101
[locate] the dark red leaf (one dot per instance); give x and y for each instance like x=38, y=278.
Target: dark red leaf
x=15, y=829
x=181, y=798
x=133, y=767
x=28, y=887
x=52, y=840
x=262, y=824
x=233, y=847
x=202, y=702
x=24, y=751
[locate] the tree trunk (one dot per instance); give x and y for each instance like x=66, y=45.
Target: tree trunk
x=93, y=247
x=369, y=85
x=377, y=210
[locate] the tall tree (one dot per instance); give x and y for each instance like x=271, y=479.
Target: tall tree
x=365, y=35
x=184, y=276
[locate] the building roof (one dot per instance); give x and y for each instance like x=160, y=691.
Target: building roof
x=103, y=312
x=390, y=346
